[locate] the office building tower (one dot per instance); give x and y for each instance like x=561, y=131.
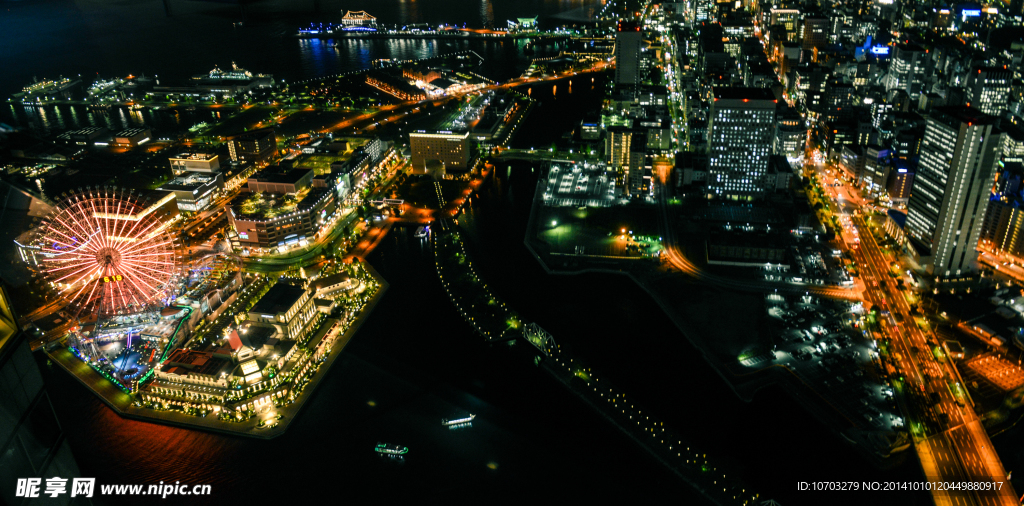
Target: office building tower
x=815, y=33
x=988, y=89
x=619, y=143
x=837, y=103
x=907, y=69
x=741, y=130
x=790, y=133
x=628, y=41
x=951, y=188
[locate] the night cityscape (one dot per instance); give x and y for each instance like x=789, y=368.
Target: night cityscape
x=560, y=251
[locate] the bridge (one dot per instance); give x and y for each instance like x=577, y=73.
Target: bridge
x=540, y=338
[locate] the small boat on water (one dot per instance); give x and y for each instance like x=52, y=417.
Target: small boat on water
x=458, y=422
x=422, y=231
x=391, y=450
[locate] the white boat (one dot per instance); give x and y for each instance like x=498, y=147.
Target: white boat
x=460, y=421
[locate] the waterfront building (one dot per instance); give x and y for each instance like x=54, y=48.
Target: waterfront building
x=741, y=128
x=951, y=188
x=453, y=150
x=358, y=21
x=257, y=146
x=289, y=309
x=131, y=137
x=87, y=136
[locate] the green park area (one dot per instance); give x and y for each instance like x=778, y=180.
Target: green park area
x=624, y=231
x=268, y=205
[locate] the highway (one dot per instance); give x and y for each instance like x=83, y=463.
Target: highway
x=950, y=440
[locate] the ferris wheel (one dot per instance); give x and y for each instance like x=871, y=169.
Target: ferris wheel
x=106, y=252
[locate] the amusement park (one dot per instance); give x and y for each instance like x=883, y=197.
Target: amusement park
x=108, y=256
x=184, y=332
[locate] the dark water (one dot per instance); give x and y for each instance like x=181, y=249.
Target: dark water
x=412, y=364
x=49, y=38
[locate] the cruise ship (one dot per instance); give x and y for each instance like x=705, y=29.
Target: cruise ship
x=458, y=422
x=391, y=450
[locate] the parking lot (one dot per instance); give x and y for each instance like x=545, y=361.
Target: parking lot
x=580, y=184
x=816, y=263
x=823, y=344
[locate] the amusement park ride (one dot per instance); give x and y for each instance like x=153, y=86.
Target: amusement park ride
x=108, y=255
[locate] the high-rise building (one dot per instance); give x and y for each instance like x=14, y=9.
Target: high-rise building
x=619, y=144
x=255, y=146
x=951, y=187
x=32, y=442
x=788, y=19
x=790, y=133
x=815, y=33
x=628, y=41
x=741, y=129
x=988, y=89
x=901, y=180
x=907, y=69
x=706, y=10
x=638, y=172
x=837, y=104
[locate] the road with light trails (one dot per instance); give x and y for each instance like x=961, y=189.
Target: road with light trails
x=951, y=444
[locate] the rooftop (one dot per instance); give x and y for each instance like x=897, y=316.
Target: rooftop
x=266, y=205
x=188, y=181
x=744, y=94
x=279, y=299
x=194, y=156
x=953, y=116
x=281, y=175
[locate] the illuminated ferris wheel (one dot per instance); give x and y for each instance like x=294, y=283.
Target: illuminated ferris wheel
x=106, y=252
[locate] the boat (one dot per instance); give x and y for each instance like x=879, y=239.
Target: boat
x=457, y=422
x=422, y=231
x=390, y=450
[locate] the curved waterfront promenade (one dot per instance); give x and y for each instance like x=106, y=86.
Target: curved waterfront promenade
x=494, y=323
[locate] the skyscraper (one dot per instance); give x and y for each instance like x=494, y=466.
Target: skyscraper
x=628, y=41
x=988, y=89
x=741, y=128
x=951, y=187
x=907, y=70
x=815, y=32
